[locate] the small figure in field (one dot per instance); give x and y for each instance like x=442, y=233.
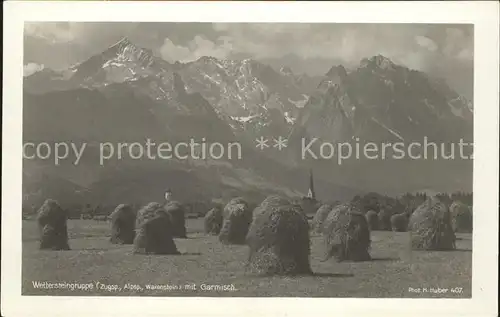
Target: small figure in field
x=168, y=195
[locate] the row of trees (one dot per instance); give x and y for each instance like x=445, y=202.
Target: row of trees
x=97, y=211
x=405, y=203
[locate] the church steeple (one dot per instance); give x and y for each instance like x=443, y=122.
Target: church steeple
x=311, y=194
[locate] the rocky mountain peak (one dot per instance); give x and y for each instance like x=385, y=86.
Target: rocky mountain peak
x=120, y=62
x=335, y=76
x=378, y=61
x=337, y=70
x=285, y=70
x=124, y=41
x=125, y=50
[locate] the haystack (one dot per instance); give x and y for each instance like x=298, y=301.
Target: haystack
x=213, y=221
x=384, y=220
x=461, y=217
x=270, y=201
x=278, y=240
x=153, y=231
x=346, y=234
x=234, y=201
x=52, y=223
x=237, y=218
x=177, y=215
x=399, y=222
x=122, y=225
x=372, y=219
x=430, y=227
x=320, y=216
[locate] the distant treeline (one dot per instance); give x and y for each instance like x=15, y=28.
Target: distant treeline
x=101, y=212
x=406, y=203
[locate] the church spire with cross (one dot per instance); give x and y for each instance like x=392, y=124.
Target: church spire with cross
x=311, y=194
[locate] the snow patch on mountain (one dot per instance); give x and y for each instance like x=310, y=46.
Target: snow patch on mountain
x=396, y=134
x=289, y=119
x=460, y=107
x=245, y=119
x=300, y=103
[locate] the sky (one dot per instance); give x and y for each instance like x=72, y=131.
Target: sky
x=441, y=50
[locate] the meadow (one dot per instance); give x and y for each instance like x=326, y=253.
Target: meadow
x=394, y=272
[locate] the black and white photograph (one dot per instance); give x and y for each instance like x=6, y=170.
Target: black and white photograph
x=248, y=159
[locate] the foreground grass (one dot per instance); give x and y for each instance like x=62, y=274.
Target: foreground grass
x=92, y=259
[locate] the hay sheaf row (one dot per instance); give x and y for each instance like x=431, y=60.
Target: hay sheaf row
x=122, y=225
x=150, y=230
x=461, y=216
x=213, y=221
x=154, y=232
x=52, y=224
x=373, y=220
x=237, y=217
x=269, y=202
x=320, y=216
x=278, y=239
x=430, y=227
x=125, y=223
x=177, y=214
x=346, y=234
x=399, y=222
x=277, y=230
x=385, y=221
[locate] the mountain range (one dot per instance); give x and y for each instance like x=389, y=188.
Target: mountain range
x=126, y=94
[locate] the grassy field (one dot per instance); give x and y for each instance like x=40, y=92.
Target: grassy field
x=205, y=261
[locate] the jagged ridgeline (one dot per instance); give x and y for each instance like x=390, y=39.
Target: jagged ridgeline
x=127, y=94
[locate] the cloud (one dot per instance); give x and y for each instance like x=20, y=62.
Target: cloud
x=77, y=32
x=171, y=52
x=466, y=54
x=51, y=31
x=458, y=44
x=196, y=48
x=32, y=68
x=346, y=42
x=426, y=42
x=441, y=50
x=58, y=45
x=414, y=60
